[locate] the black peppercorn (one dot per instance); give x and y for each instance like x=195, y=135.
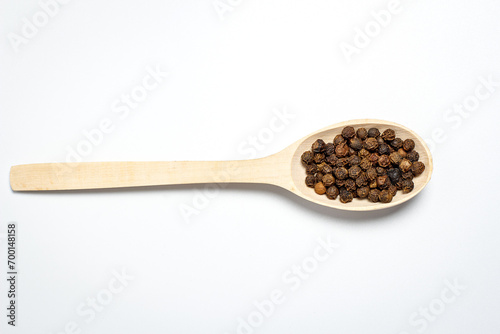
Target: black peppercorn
x=318, y=146
x=362, y=133
x=363, y=153
x=407, y=186
x=373, y=132
x=397, y=143
x=388, y=135
x=413, y=156
x=310, y=181
x=327, y=169
x=319, y=157
x=338, y=140
x=405, y=165
x=332, y=192
x=408, y=145
x=365, y=163
x=341, y=173
x=385, y=196
x=350, y=185
x=371, y=144
x=384, y=161
x=383, y=182
x=381, y=171
x=307, y=157
x=417, y=168
x=354, y=160
x=371, y=173
x=354, y=172
x=328, y=180
x=346, y=196
x=384, y=149
x=341, y=150
x=311, y=169
x=363, y=192
x=329, y=149
x=373, y=195
x=348, y=132
x=407, y=176
x=394, y=174
x=402, y=153
x=362, y=180
x=395, y=158
x=356, y=144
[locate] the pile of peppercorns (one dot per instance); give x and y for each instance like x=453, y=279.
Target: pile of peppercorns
x=362, y=164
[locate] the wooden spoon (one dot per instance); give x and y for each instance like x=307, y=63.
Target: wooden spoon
x=283, y=169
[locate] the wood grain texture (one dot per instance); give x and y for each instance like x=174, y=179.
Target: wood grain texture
x=283, y=169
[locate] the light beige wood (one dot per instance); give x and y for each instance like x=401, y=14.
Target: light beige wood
x=283, y=169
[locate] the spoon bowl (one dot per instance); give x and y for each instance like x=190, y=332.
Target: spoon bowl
x=298, y=172
x=283, y=169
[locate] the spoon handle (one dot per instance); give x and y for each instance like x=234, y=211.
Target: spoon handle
x=95, y=175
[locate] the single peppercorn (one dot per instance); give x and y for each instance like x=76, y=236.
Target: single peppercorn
x=373, y=158
x=393, y=190
x=381, y=171
x=413, y=156
x=371, y=144
x=383, y=182
x=362, y=133
x=328, y=180
x=363, y=192
x=319, y=188
x=363, y=153
x=348, y=132
x=407, y=176
x=310, y=181
x=341, y=173
x=384, y=161
x=407, y=186
x=319, y=157
x=342, y=162
x=362, y=179
x=388, y=135
x=385, y=196
x=394, y=174
x=311, y=169
x=327, y=169
x=350, y=185
x=307, y=157
x=341, y=150
x=373, y=132
x=329, y=149
x=318, y=176
x=332, y=192
x=405, y=165
x=332, y=159
x=402, y=153
x=356, y=143
x=354, y=160
x=354, y=172
x=380, y=140
x=339, y=183
x=373, y=195
x=371, y=173
x=417, y=168
x=373, y=184
x=318, y=146
x=395, y=158
x=365, y=163
x=397, y=143
x=338, y=140
x=408, y=145
x=384, y=149
x=346, y=196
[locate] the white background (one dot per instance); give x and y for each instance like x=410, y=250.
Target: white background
x=226, y=75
